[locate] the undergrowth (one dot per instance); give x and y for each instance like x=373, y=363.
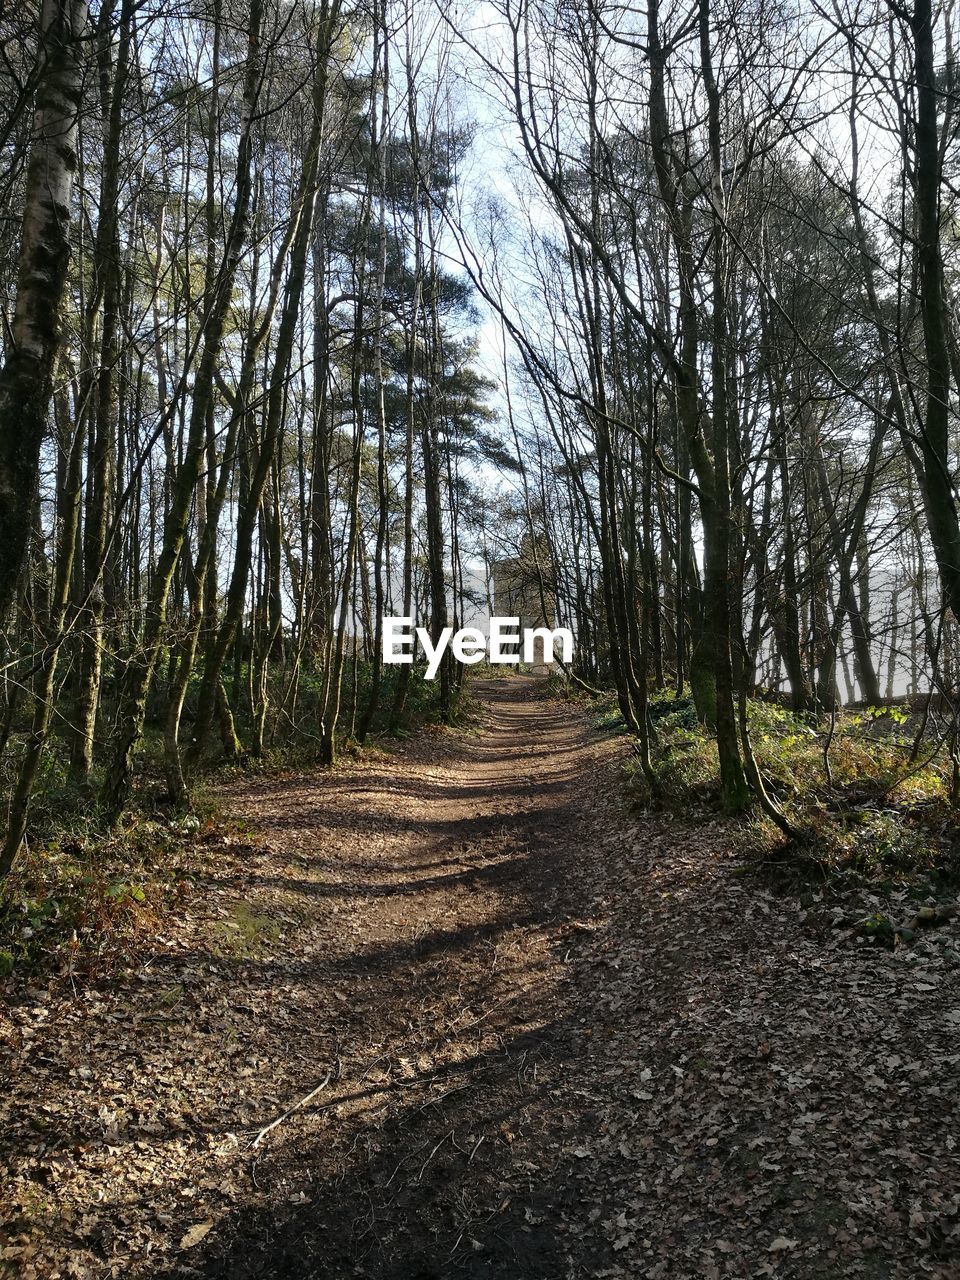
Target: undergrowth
x=82, y=900
x=875, y=817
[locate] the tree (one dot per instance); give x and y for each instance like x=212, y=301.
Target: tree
x=26, y=377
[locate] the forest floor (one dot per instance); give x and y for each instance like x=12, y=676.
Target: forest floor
x=532, y=1035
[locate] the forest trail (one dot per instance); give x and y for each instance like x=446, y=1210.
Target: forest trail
x=537, y=1038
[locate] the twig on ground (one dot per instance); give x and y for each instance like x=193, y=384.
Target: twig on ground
x=296, y=1107
x=423, y=1167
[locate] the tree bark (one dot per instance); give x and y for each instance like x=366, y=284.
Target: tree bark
x=26, y=378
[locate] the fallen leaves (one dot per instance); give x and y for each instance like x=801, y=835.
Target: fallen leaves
x=196, y=1233
x=573, y=1042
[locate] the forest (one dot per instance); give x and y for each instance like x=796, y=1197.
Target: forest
x=634, y=319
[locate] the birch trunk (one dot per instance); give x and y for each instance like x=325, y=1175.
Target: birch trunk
x=26, y=379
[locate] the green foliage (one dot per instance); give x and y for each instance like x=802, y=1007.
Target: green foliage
x=896, y=715
x=879, y=928
x=684, y=756
x=674, y=712
x=877, y=818
x=121, y=891
x=883, y=840
x=77, y=902
x=687, y=766
x=558, y=686
x=611, y=722
x=606, y=716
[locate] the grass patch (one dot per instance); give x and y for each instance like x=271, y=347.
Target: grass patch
x=246, y=934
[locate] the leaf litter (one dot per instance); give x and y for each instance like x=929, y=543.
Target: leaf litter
x=458, y=1012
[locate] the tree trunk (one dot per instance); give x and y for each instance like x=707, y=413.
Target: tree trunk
x=26, y=378
x=140, y=667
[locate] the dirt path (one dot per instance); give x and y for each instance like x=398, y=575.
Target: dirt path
x=549, y=1040
x=434, y=990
